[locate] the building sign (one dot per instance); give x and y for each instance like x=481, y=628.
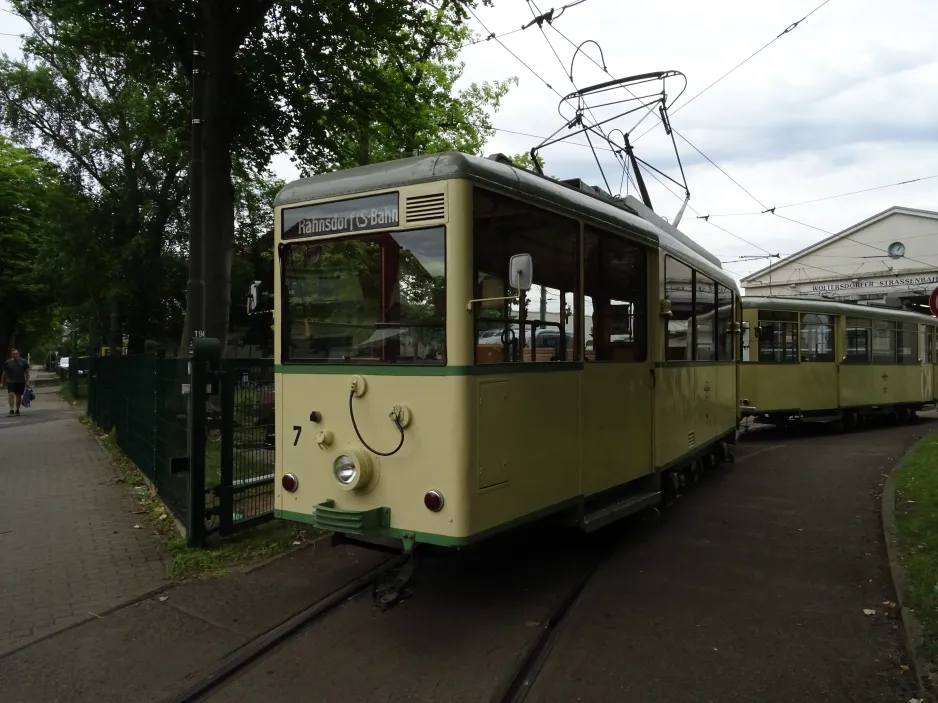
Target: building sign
x=342, y=216
x=891, y=282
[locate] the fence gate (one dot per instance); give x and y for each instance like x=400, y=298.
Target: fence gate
x=239, y=447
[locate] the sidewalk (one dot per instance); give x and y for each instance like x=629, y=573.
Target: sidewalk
x=159, y=645
x=68, y=547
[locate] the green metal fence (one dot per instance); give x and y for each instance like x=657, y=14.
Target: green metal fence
x=140, y=398
x=241, y=445
x=146, y=401
x=79, y=369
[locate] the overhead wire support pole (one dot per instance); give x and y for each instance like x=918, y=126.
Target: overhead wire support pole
x=196, y=287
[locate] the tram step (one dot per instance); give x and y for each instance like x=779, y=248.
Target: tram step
x=623, y=507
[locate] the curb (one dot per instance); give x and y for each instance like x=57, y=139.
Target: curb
x=911, y=628
x=126, y=603
x=289, y=551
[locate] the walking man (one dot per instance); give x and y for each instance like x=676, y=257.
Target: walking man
x=15, y=376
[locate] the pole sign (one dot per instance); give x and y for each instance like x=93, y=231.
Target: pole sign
x=933, y=302
x=371, y=212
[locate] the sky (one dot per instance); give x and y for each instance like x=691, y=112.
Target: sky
x=842, y=102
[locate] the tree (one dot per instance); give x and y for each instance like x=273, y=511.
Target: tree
x=524, y=161
x=36, y=204
x=109, y=131
x=271, y=69
x=403, y=99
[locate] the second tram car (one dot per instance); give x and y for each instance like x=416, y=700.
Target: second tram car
x=463, y=345
x=817, y=359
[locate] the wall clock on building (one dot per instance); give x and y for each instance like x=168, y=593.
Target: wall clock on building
x=896, y=250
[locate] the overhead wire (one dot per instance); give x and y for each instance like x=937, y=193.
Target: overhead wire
x=493, y=35
x=706, y=218
x=490, y=37
x=673, y=129
x=539, y=19
x=829, y=197
x=520, y=60
x=696, y=148
x=787, y=30
x=693, y=146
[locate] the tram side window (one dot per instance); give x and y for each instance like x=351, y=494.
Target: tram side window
x=539, y=326
x=858, y=340
x=778, y=337
x=615, y=287
x=884, y=342
x=726, y=303
x=929, y=344
x=817, y=337
x=907, y=346
x=705, y=313
x=679, y=291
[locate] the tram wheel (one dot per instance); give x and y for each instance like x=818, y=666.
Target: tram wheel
x=848, y=421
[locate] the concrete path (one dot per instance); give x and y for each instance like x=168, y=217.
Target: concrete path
x=68, y=547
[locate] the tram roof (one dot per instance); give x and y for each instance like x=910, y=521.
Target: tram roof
x=623, y=216
x=826, y=307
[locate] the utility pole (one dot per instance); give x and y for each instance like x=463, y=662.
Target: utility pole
x=196, y=288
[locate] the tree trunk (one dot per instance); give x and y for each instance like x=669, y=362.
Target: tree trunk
x=115, y=336
x=218, y=192
x=7, y=336
x=364, y=142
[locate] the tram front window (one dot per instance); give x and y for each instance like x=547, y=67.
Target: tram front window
x=377, y=298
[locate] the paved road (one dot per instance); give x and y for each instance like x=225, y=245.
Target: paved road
x=755, y=591
x=752, y=589
x=68, y=547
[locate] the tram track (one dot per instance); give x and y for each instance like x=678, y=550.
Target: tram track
x=516, y=688
x=506, y=595
x=260, y=645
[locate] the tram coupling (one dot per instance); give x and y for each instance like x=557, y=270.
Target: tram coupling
x=394, y=585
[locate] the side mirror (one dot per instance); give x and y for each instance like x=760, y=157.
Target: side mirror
x=521, y=271
x=758, y=332
x=252, y=296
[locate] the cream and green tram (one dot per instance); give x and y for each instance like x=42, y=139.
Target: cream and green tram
x=821, y=360
x=463, y=346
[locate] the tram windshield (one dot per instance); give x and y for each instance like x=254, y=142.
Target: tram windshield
x=376, y=298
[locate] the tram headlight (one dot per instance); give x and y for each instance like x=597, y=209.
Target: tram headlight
x=344, y=469
x=353, y=469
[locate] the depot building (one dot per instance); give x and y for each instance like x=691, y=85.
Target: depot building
x=889, y=259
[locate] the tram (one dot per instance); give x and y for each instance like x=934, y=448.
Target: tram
x=463, y=346
x=818, y=360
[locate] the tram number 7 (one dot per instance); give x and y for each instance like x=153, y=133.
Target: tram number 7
x=299, y=431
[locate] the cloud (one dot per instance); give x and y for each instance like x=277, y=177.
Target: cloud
x=844, y=101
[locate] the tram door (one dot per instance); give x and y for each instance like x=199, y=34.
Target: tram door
x=616, y=392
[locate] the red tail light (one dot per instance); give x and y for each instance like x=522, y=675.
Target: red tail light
x=289, y=482
x=434, y=501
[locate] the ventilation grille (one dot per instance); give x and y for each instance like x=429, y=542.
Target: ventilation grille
x=424, y=208
x=690, y=439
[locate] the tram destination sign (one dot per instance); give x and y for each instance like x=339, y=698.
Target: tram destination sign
x=341, y=216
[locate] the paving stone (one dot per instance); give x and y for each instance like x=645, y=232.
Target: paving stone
x=67, y=543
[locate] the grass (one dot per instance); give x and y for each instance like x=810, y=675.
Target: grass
x=65, y=390
x=917, y=526
x=221, y=554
